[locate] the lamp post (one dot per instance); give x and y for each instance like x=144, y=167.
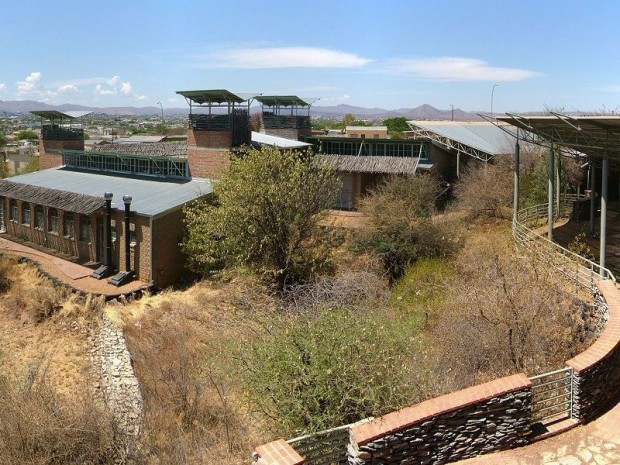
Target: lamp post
x=492, y=94
x=451, y=105
x=162, y=114
x=127, y=201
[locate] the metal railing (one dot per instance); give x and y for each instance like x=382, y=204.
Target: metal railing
x=584, y=271
x=552, y=395
x=327, y=447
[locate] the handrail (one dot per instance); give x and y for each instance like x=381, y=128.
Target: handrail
x=586, y=272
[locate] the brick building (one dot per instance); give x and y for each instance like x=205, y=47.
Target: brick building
x=63, y=208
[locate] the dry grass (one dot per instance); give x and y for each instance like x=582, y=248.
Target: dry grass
x=191, y=414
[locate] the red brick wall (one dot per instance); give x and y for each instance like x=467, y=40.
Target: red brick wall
x=207, y=162
x=168, y=259
x=140, y=254
x=294, y=134
x=49, y=159
x=213, y=139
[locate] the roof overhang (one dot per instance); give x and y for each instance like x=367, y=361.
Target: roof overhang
x=55, y=114
x=54, y=198
x=596, y=136
x=375, y=164
x=284, y=101
x=463, y=137
x=215, y=97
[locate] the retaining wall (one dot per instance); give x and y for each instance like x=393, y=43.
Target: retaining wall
x=596, y=371
x=481, y=419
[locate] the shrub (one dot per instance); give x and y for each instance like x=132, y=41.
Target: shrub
x=313, y=371
x=264, y=215
x=400, y=225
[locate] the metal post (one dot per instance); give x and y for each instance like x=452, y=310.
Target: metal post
x=550, y=179
x=127, y=201
x=458, y=164
x=108, y=228
x=558, y=182
x=592, y=197
x=603, y=227
x=515, y=201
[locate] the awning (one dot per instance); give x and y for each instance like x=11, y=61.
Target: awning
x=593, y=135
x=375, y=164
x=67, y=201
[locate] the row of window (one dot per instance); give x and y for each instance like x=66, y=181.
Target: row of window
x=53, y=225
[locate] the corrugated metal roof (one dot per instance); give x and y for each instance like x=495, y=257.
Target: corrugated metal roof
x=284, y=100
x=214, y=96
x=481, y=136
x=55, y=114
x=151, y=197
x=69, y=201
x=138, y=139
x=276, y=141
x=371, y=164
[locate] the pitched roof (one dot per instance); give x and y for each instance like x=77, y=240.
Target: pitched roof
x=55, y=198
x=375, y=164
x=151, y=196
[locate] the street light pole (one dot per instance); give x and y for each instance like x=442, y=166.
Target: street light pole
x=452, y=111
x=492, y=94
x=162, y=114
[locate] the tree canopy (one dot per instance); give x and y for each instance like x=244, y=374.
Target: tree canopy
x=27, y=134
x=264, y=214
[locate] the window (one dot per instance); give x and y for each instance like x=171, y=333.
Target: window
x=68, y=225
x=13, y=210
x=52, y=220
x=85, y=228
x=26, y=213
x=38, y=217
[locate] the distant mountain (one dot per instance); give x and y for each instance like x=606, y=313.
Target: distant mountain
x=26, y=106
x=423, y=112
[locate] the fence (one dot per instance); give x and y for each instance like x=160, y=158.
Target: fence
x=583, y=271
x=325, y=448
x=552, y=395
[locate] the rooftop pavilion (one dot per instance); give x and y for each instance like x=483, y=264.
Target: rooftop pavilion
x=61, y=125
x=219, y=110
x=285, y=111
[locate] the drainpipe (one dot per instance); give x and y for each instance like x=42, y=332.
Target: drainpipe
x=108, y=229
x=127, y=200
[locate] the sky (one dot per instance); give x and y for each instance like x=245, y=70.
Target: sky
x=518, y=55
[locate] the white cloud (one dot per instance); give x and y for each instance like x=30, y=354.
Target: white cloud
x=2, y=87
x=126, y=88
x=115, y=86
x=284, y=57
x=337, y=99
x=458, y=69
x=68, y=89
x=32, y=87
x=99, y=90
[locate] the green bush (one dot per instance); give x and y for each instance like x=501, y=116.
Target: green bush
x=401, y=229
x=316, y=371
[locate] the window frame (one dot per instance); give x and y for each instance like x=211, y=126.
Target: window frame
x=68, y=225
x=26, y=218
x=39, y=218
x=52, y=221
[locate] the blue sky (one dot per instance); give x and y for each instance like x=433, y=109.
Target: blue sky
x=389, y=54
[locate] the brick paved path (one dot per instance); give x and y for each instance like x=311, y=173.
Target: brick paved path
x=72, y=274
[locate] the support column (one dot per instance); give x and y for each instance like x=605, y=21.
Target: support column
x=550, y=179
x=603, y=228
x=458, y=164
x=515, y=202
x=592, y=197
x=108, y=229
x=558, y=183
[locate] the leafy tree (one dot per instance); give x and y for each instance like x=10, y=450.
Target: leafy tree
x=265, y=215
x=2, y=140
x=396, y=124
x=400, y=228
x=27, y=134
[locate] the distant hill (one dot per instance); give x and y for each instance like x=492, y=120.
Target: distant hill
x=423, y=112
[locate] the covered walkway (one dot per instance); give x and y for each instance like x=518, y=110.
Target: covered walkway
x=69, y=273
